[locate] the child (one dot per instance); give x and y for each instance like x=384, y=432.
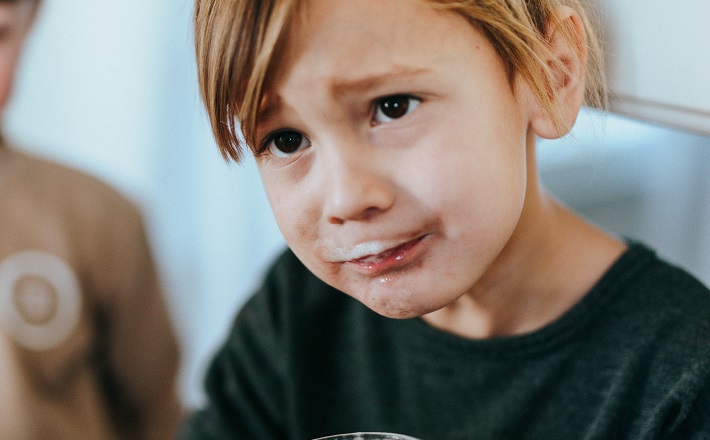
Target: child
x=86, y=347
x=396, y=143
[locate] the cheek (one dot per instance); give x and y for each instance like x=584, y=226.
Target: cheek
x=477, y=185
x=469, y=170
x=294, y=211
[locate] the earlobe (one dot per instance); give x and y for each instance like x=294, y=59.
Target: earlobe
x=567, y=41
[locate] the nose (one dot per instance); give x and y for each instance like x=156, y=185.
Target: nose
x=357, y=187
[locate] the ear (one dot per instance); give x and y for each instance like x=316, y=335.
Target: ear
x=567, y=41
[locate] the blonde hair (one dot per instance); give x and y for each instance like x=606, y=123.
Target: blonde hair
x=237, y=40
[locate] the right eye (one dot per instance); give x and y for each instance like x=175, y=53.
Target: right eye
x=285, y=143
x=394, y=107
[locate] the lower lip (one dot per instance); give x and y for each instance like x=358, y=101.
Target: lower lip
x=395, y=259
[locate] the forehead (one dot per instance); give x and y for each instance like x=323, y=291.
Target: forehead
x=360, y=27
x=338, y=43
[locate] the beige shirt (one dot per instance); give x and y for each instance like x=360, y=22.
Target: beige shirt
x=87, y=350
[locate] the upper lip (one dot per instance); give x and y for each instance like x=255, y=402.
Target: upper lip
x=365, y=249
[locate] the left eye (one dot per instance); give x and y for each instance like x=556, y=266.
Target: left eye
x=285, y=143
x=394, y=107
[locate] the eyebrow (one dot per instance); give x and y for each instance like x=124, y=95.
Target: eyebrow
x=271, y=103
x=343, y=86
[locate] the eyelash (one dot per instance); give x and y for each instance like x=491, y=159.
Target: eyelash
x=264, y=147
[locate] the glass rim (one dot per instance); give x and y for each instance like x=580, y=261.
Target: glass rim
x=354, y=436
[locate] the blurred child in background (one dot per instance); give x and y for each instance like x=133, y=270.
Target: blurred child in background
x=87, y=350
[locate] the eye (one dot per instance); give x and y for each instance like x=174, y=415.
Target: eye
x=285, y=143
x=394, y=107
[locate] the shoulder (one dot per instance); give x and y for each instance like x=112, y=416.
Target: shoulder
x=670, y=309
x=53, y=208
x=667, y=286
x=52, y=187
x=647, y=308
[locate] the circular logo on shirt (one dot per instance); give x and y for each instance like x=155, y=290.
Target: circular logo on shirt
x=40, y=299
x=35, y=299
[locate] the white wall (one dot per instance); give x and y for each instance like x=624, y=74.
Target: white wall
x=658, y=60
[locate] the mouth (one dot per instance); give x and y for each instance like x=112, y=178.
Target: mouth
x=384, y=258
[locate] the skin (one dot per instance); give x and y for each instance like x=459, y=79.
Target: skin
x=436, y=210
x=15, y=22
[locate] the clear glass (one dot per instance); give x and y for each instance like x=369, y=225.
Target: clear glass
x=367, y=436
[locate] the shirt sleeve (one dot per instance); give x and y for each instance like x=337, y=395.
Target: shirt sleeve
x=244, y=383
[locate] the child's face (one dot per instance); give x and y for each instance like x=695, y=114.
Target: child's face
x=15, y=20
x=395, y=163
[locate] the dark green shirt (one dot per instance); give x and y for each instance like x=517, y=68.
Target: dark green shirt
x=630, y=361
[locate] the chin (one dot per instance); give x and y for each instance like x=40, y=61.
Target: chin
x=391, y=305
x=397, y=313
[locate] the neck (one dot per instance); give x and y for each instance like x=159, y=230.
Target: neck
x=549, y=263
